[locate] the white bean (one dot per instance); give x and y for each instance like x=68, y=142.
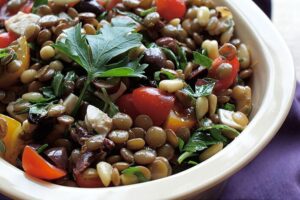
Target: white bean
x=244, y=56
x=203, y=15
x=227, y=35
x=212, y=48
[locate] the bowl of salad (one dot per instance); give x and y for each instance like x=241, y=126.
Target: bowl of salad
x=161, y=98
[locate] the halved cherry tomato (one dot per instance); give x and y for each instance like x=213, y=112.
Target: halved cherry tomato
x=88, y=183
x=12, y=140
x=36, y=166
x=126, y=105
x=170, y=9
x=154, y=103
x=23, y=54
x=224, y=83
x=176, y=121
x=110, y=4
x=6, y=39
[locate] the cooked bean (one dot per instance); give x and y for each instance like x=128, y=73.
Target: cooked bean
x=61, y=142
x=65, y=119
x=145, y=171
x=192, y=13
x=137, y=133
x=72, y=12
x=171, y=86
x=184, y=133
x=145, y=4
x=212, y=150
x=89, y=29
x=203, y=15
x=48, y=21
x=212, y=48
x=155, y=137
x=223, y=99
x=143, y=121
x=28, y=127
x=94, y=143
x=169, y=65
x=159, y=169
x=32, y=96
x=14, y=66
x=201, y=107
x=113, y=159
x=121, y=166
x=128, y=179
x=131, y=3
x=34, y=86
x=32, y=32
x=198, y=39
x=90, y=174
x=28, y=76
x=118, y=136
x=135, y=144
x=172, y=138
x=47, y=53
x=56, y=65
x=187, y=25
x=190, y=43
x=144, y=157
x=48, y=75
x=166, y=151
x=43, y=36
x=86, y=15
x=175, y=22
x=213, y=100
x=115, y=177
x=245, y=74
x=74, y=156
x=244, y=56
x=127, y=155
x=215, y=118
x=151, y=19
x=122, y=121
x=224, y=71
x=104, y=170
x=56, y=110
x=227, y=35
x=240, y=118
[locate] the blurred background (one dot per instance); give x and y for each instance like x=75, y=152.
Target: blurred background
x=286, y=17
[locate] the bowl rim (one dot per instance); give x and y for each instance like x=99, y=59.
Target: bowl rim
x=23, y=190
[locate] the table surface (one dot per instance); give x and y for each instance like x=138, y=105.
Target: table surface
x=286, y=17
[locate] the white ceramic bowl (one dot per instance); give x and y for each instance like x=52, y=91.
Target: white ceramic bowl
x=273, y=86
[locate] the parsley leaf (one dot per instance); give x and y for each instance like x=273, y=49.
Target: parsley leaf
x=148, y=11
x=38, y=3
x=200, y=91
x=94, y=52
x=164, y=72
x=182, y=58
x=201, y=59
x=135, y=171
x=109, y=107
x=133, y=16
x=4, y=53
x=229, y=106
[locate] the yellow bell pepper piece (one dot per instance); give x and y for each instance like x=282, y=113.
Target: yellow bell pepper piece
x=12, y=141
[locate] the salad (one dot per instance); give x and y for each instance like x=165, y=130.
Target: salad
x=102, y=93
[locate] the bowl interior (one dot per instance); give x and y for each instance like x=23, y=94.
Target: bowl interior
x=267, y=104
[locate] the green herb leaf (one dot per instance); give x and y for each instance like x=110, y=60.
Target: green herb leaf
x=133, y=16
x=195, y=143
x=148, y=11
x=135, y=171
x=38, y=111
x=180, y=144
x=93, y=52
x=170, y=54
x=4, y=53
x=201, y=59
x=191, y=162
x=109, y=107
x=200, y=91
x=182, y=58
x=38, y=3
x=57, y=84
x=2, y=147
x=224, y=129
x=229, y=106
x=164, y=72
x=42, y=148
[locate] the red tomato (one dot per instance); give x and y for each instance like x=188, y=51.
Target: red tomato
x=101, y=2
x=6, y=39
x=126, y=105
x=154, y=103
x=36, y=166
x=224, y=83
x=170, y=9
x=88, y=183
x=2, y=2
x=110, y=4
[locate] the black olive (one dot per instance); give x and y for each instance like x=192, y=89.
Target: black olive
x=89, y=6
x=58, y=155
x=156, y=59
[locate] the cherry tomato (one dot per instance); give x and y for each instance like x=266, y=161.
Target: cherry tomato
x=227, y=82
x=6, y=39
x=110, y=4
x=101, y=2
x=88, y=183
x=154, y=103
x=176, y=121
x=170, y=9
x=36, y=166
x=27, y=7
x=126, y=105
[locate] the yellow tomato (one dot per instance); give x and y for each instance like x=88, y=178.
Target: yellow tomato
x=175, y=121
x=12, y=141
x=23, y=54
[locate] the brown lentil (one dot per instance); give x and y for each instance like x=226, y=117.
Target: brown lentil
x=65, y=120
x=144, y=157
x=245, y=74
x=86, y=16
x=172, y=139
x=184, y=133
x=166, y=151
x=28, y=76
x=72, y=12
x=128, y=179
x=122, y=121
x=43, y=36
x=118, y=136
x=115, y=177
x=43, y=10
x=14, y=66
x=34, y=86
x=159, y=169
x=114, y=159
x=89, y=29
x=135, y=144
x=127, y=155
x=47, y=52
x=143, y=121
x=223, y=99
x=121, y=166
x=57, y=65
x=155, y=137
x=169, y=65
x=137, y=133
x=32, y=32
x=151, y=19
